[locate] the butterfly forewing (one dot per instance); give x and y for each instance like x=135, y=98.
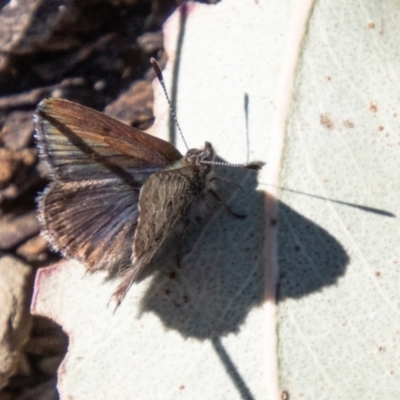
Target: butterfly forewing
x=81, y=143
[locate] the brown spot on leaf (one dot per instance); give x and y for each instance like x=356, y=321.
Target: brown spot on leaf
x=325, y=121
x=370, y=25
x=348, y=123
x=373, y=107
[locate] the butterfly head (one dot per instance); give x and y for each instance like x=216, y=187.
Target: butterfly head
x=196, y=156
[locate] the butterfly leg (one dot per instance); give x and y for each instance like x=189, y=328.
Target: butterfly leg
x=230, y=211
x=180, y=244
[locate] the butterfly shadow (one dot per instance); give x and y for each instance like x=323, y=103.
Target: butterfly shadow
x=224, y=269
x=223, y=272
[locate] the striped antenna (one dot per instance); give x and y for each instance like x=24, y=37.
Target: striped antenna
x=256, y=167
x=160, y=77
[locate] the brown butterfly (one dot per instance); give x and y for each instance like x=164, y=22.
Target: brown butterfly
x=116, y=192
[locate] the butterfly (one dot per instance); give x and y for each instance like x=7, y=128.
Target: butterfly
x=116, y=192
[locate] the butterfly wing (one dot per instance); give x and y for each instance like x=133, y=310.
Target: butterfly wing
x=92, y=221
x=99, y=164
x=164, y=201
x=80, y=143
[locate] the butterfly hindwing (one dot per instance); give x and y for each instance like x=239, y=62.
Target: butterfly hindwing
x=97, y=229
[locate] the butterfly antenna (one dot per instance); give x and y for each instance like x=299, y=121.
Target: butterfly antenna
x=254, y=166
x=160, y=77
